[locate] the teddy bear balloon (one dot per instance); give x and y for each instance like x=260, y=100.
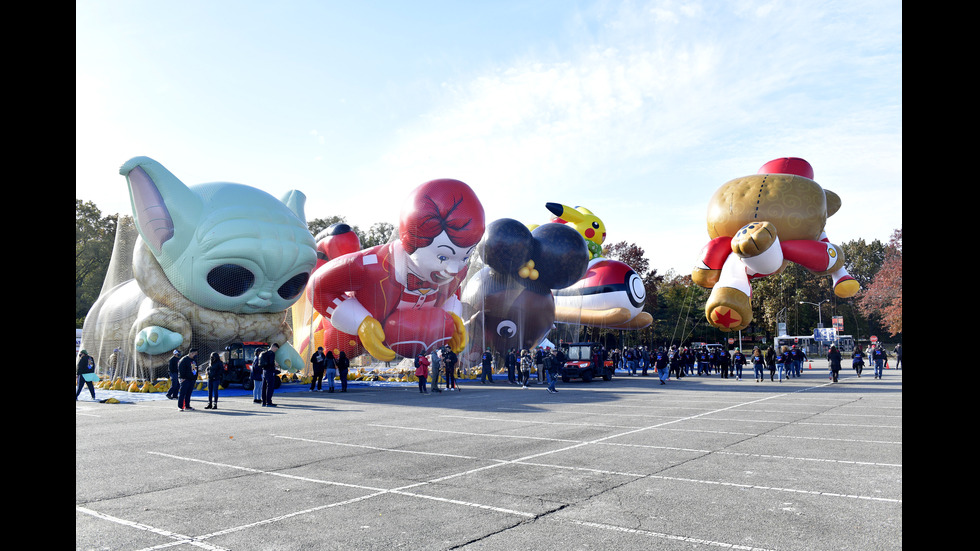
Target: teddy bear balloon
x=759, y=223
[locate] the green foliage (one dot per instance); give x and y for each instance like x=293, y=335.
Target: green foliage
x=317, y=225
x=94, y=237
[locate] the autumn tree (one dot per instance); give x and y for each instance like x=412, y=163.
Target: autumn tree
x=883, y=298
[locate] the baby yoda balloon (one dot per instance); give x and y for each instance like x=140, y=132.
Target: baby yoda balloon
x=212, y=263
x=759, y=223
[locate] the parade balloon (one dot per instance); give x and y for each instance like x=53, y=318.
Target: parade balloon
x=193, y=268
x=610, y=294
x=402, y=297
x=509, y=301
x=757, y=225
x=587, y=224
x=336, y=240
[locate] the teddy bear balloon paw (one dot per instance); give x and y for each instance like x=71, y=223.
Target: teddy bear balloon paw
x=754, y=239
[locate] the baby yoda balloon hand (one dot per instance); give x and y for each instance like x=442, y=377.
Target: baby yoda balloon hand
x=757, y=225
x=157, y=340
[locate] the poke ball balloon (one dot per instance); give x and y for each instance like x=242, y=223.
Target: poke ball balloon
x=607, y=284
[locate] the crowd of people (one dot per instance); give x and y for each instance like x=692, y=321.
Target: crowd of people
x=545, y=362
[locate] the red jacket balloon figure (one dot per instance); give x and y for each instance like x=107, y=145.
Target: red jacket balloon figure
x=759, y=223
x=402, y=298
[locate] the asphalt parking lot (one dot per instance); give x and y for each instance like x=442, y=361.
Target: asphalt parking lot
x=699, y=463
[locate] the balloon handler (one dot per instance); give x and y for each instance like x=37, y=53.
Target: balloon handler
x=402, y=297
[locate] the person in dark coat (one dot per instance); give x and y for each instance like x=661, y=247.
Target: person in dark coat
x=660, y=363
x=771, y=361
x=724, y=361
x=738, y=362
x=551, y=367
x=269, y=372
x=857, y=360
x=511, y=363
x=343, y=365
x=187, y=372
x=174, y=379
x=758, y=363
x=449, y=361
x=486, y=374
x=879, y=358
x=216, y=371
x=319, y=363
x=85, y=366
x=833, y=356
x=256, y=377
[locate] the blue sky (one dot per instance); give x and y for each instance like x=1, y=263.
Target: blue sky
x=636, y=110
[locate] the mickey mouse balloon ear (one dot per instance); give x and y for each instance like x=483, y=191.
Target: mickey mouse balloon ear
x=506, y=245
x=788, y=165
x=560, y=255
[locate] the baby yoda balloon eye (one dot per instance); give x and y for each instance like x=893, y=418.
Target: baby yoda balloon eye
x=230, y=280
x=292, y=288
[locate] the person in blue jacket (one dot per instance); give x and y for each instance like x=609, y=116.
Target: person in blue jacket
x=738, y=360
x=661, y=362
x=857, y=360
x=879, y=358
x=758, y=364
x=798, y=358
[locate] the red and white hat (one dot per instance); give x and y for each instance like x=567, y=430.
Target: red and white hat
x=788, y=165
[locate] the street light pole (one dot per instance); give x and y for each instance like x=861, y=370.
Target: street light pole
x=819, y=317
x=818, y=305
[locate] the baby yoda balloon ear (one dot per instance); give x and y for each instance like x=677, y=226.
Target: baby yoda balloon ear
x=162, y=204
x=295, y=200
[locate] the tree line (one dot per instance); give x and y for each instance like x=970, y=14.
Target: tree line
x=674, y=301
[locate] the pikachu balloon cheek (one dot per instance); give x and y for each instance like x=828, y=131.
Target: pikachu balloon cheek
x=759, y=223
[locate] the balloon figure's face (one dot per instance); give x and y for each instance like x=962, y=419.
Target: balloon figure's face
x=224, y=246
x=441, y=260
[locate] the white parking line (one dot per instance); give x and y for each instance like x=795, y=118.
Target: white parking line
x=374, y=491
x=179, y=539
